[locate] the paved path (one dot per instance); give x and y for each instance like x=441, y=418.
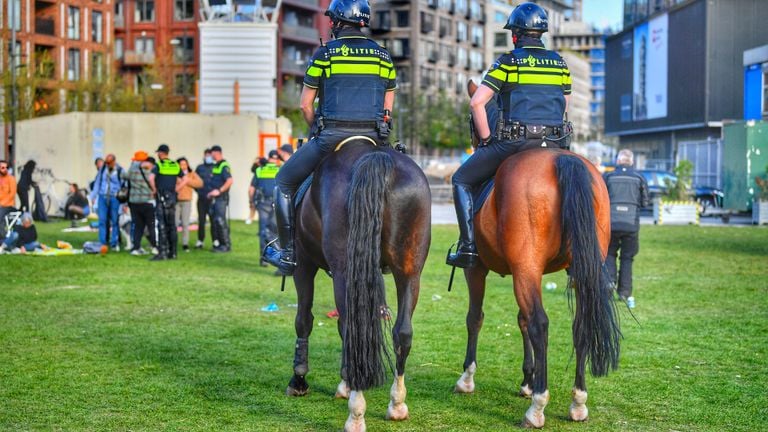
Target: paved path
x=444, y=214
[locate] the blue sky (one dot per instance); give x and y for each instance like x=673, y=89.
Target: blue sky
x=604, y=13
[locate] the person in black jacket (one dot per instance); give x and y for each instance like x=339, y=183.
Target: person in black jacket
x=628, y=192
x=25, y=183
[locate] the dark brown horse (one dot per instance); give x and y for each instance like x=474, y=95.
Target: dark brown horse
x=368, y=208
x=549, y=211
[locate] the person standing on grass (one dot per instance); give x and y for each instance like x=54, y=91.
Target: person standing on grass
x=205, y=172
x=263, y=192
x=184, y=205
x=7, y=195
x=141, y=201
x=166, y=179
x=628, y=192
x=104, y=193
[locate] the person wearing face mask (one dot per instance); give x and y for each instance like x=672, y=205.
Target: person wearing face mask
x=205, y=172
x=104, y=193
x=355, y=81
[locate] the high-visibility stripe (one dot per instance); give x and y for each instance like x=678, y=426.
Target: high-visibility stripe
x=268, y=171
x=490, y=84
x=387, y=64
x=392, y=74
x=498, y=74
x=168, y=167
x=512, y=78
x=508, y=67
x=540, y=79
x=567, y=80
x=321, y=62
x=355, y=69
x=218, y=169
x=314, y=71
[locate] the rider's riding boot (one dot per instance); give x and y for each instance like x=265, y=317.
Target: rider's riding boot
x=466, y=253
x=284, y=258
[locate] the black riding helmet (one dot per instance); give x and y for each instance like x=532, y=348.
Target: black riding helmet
x=355, y=12
x=528, y=17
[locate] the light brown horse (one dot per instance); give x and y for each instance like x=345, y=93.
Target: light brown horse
x=549, y=210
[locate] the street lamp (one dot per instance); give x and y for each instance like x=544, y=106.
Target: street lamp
x=179, y=43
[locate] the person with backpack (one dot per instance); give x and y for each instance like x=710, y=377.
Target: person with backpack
x=141, y=201
x=105, y=187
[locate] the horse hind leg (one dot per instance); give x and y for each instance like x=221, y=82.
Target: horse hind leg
x=528, y=294
x=526, y=387
x=304, y=279
x=475, y=277
x=357, y=406
x=578, y=410
x=402, y=337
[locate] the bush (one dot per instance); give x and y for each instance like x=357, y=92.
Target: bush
x=679, y=191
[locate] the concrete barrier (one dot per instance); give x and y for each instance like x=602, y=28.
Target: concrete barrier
x=67, y=144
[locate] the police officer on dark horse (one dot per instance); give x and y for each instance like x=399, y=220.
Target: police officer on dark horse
x=368, y=207
x=354, y=79
x=534, y=85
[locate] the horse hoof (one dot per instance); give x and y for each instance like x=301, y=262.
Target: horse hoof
x=290, y=391
x=578, y=413
x=400, y=412
x=464, y=387
x=526, y=391
x=354, y=425
x=533, y=423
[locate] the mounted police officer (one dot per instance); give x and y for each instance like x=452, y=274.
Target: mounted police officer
x=263, y=186
x=166, y=179
x=354, y=79
x=628, y=192
x=533, y=85
x=221, y=181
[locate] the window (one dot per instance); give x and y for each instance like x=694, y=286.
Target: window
x=500, y=17
x=184, y=49
x=598, y=81
x=182, y=84
x=400, y=48
x=97, y=68
x=443, y=80
x=184, y=10
x=97, y=27
x=597, y=67
x=119, y=13
x=597, y=53
x=427, y=22
x=119, y=48
x=145, y=45
x=598, y=95
x=500, y=39
x=73, y=64
x=461, y=56
x=445, y=27
x=403, y=17
x=461, y=31
x=145, y=11
x=461, y=6
x=765, y=94
x=73, y=23
x=477, y=36
x=403, y=75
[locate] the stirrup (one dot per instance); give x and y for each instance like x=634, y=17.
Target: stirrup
x=463, y=259
x=275, y=257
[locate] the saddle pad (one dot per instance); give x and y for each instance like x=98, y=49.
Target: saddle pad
x=302, y=191
x=480, y=194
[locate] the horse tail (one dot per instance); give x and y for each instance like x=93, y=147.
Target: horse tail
x=364, y=347
x=595, y=325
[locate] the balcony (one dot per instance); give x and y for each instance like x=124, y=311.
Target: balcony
x=432, y=56
x=381, y=26
x=45, y=26
x=451, y=59
x=293, y=66
x=134, y=58
x=307, y=34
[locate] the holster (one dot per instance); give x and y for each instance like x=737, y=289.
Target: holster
x=383, y=128
x=166, y=199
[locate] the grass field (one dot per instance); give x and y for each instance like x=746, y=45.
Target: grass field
x=116, y=343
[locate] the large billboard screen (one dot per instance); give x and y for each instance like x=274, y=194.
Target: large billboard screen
x=650, y=69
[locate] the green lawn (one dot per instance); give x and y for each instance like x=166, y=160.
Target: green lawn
x=118, y=343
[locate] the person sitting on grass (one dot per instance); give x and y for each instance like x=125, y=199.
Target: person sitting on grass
x=23, y=238
x=77, y=206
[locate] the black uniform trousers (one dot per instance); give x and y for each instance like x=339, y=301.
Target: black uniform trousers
x=299, y=166
x=483, y=164
x=219, y=226
x=265, y=205
x=143, y=218
x=625, y=245
x=203, y=210
x=165, y=220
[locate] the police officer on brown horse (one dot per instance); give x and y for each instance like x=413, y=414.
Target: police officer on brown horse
x=533, y=84
x=354, y=80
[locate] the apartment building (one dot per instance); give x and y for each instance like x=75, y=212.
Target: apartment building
x=58, y=43
x=580, y=38
x=301, y=25
x=159, y=34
